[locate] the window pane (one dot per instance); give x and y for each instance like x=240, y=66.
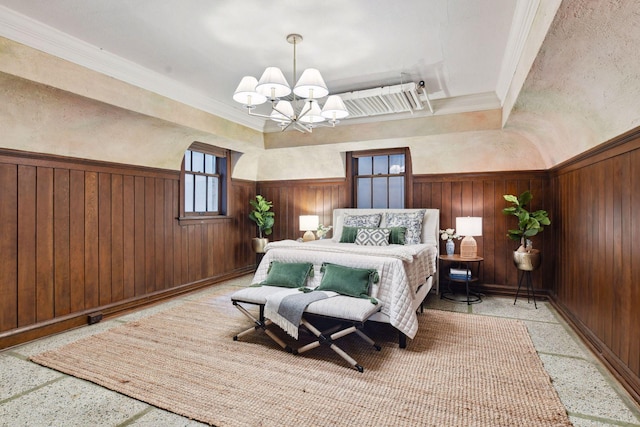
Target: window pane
x=212, y=194
x=364, y=193
x=204, y=178
x=201, y=193
x=187, y=160
x=209, y=163
x=188, y=192
x=197, y=162
x=364, y=166
x=379, y=193
x=396, y=192
x=380, y=165
x=396, y=163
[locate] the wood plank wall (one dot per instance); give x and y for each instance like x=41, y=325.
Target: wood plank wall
x=597, y=229
x=481, y=195
x=303, y=197
x=78, y=236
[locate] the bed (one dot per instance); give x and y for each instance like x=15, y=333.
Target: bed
x=407, y=272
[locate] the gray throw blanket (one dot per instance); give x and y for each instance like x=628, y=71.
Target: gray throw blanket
x=285, y=309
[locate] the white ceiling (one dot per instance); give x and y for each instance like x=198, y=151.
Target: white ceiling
x=196, y=51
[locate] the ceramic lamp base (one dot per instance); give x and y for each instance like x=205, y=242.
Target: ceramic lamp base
x=308, y=236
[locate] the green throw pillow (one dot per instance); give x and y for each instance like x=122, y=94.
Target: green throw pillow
x=287, y=275
x=353, y=282
x=349, y=234
x=397, y=235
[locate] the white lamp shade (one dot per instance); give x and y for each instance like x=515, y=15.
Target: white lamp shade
x=334, y=108
x=309, y=222
x=272, y=84
x=246, y=92
x=469, y=226
x=282, y=112
x=311, y=85
x=311, y=112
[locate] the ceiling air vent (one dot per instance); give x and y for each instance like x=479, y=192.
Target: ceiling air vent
x=400, y=98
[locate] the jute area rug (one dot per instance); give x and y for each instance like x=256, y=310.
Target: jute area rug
x=460, y=370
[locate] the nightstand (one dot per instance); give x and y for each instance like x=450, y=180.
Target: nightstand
x=470, y=268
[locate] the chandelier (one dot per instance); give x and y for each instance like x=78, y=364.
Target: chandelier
x=273, y=86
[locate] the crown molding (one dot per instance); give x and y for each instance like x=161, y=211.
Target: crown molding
x=466, y=103
x=523, y=18
x=35, y=34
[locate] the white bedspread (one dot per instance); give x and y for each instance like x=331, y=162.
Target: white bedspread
x=405, y=253
x=402, y=270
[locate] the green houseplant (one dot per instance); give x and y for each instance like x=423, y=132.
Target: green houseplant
x=529, y=224
x=264, y=219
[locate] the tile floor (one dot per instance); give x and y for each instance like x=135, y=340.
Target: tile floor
x=31, y=395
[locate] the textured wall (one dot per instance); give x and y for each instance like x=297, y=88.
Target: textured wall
x=447, y=153
x=77, y=104
x=584, y=87
x=581, y=91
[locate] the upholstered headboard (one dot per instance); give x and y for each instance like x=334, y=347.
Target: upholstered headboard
x=430, y=223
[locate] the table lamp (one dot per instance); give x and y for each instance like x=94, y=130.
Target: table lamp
x=468, y=227
x=308, y=223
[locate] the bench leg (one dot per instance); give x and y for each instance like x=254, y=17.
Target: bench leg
x=329, y=341
x=259, y=324
x=367, y=339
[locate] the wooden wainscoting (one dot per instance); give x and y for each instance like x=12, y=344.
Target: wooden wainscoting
x=470, y=194
x=303, y=197
x=81, y=236
x=597, y=283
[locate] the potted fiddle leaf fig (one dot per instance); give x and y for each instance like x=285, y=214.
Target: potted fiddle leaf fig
x=529, y=224
x=264, y=219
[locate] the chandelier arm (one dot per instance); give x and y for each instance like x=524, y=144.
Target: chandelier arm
x=258, y=114
x=283, y=128
x=304, y=113
x=328, y=124
x=292, y=119
x=303, y=128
